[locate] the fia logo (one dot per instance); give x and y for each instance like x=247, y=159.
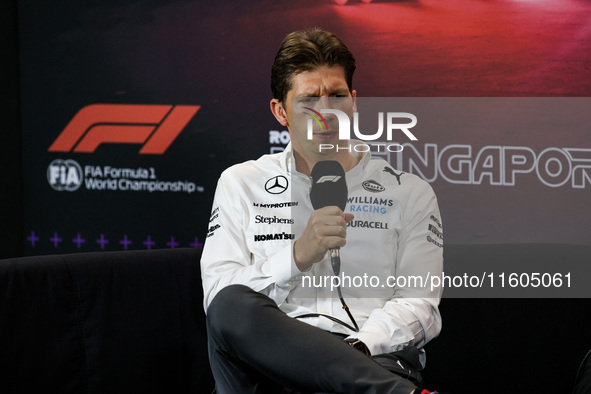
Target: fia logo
x=64, y=175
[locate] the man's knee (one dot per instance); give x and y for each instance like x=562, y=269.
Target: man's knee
x=233, y=303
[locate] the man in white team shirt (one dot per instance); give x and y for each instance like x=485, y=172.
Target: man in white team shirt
x=265, y=238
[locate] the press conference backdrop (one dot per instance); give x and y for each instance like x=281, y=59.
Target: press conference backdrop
x=131, y=110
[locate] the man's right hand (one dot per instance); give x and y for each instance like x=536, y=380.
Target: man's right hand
x=326, y=229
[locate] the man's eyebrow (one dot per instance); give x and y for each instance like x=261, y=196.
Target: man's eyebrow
x=310, y=93
x=343, y=91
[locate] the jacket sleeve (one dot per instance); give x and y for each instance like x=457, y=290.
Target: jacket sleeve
x=226, y=257
x=412, y=315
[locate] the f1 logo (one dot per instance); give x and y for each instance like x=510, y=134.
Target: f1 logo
x=154, y=126
x=328, y=178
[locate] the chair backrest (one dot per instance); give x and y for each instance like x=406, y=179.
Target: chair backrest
x=104, y=322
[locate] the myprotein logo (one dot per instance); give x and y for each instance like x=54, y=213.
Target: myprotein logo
x=153, y=126
x=345, y=124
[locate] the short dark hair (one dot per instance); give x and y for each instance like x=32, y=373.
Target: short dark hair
x=305, y=51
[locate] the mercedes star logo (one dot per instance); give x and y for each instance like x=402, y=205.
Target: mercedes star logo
x=276, y=185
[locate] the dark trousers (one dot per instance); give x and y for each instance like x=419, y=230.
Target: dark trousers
x=256, y=348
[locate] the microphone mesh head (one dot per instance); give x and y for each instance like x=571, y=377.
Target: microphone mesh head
x=329, y=186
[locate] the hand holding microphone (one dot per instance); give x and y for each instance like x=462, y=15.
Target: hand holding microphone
x=327, y=226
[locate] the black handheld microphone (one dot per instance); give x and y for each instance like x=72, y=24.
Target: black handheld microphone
x=329, y=187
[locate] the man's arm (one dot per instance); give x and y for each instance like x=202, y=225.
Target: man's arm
x=412, y=315
x=226, y=257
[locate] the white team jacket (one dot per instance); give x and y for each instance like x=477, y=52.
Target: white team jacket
x=261, y=207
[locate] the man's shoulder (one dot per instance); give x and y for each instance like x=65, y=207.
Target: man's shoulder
x=266, y=164
x=383, y=171
x=408, y=191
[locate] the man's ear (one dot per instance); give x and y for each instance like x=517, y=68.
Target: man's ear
x=354, y=96
x=279, y=112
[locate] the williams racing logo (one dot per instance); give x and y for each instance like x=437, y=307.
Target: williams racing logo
x=369, y=204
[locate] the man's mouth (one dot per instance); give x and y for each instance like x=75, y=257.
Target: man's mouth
x=326, y=135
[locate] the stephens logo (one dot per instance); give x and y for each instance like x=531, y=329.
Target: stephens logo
x=272, y=220
x=64, y=175
x=154, y=126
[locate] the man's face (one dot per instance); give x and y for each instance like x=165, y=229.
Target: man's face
x=322, y=88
